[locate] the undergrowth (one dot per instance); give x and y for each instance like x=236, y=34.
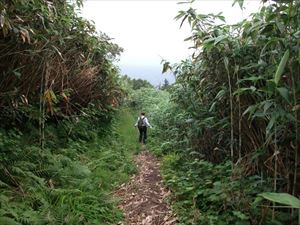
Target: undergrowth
x=206, y=193
x=229, y=136
x=203, y=192
x=71, y=179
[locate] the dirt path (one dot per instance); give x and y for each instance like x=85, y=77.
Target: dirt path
x=143, y=198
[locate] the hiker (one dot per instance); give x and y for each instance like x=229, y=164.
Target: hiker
x=142, y=124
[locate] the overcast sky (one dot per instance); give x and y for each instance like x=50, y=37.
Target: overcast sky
x=147, y=31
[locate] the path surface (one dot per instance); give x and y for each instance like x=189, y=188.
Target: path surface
x=143, y=198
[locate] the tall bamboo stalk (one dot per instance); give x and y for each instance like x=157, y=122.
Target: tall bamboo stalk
x=240, y=118
x=231, y=110
x=41, y=110
x=291, y=6
x=296, y=133
x=42, y=118
x=275, y=169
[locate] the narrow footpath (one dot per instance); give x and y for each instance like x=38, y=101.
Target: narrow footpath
x=143, y=197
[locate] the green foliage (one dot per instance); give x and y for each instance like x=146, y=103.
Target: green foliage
x=67, y=184
x=207, y=194
x=165, y=86
x=227, y=129
x=281, y=66
x=59, y=90
x=53, y=62
x=60, y=151
x=150, y=101
x=230, y=131
x=130, y=87
x=283, y=198
x=139, y=83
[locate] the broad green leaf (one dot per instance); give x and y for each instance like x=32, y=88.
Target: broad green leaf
x=220, y=38
x=209, y=40
x=284, y=92
x=257, y=201
x=281, y=67
x=222, y=18
x=282, y=198
x=280, y=26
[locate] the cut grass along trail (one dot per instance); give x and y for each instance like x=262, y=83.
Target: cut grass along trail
x=143, y=198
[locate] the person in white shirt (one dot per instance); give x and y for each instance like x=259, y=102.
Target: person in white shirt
x=142, y=123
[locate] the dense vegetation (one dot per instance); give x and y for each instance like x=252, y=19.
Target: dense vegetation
x=62, y=143
x=227, y=129
x=229, y=134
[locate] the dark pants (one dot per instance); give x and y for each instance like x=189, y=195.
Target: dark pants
x=143, y=134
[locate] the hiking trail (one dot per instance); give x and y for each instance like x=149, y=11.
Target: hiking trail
x=143, y=198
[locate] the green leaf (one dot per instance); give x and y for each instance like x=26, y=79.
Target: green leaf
x=267, y=105
x=271, y=124
x=220, y=38
x=240, y=215
x=284, y=92
x=242, y=90
x=241, y=3
x=251, y=110
x=271, y=86
x=220, y=94
x=253, y=78
x=282, y=198
x=280, y=26
x=213, y=106
x=166, y=67
x=184, y=18
x=281, y=66
x=226, y=63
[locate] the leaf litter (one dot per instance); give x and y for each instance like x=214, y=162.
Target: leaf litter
x=143, y=198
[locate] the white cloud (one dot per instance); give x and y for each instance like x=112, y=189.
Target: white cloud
x=147, y=30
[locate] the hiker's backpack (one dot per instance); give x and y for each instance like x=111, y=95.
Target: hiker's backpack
x=141, y=122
